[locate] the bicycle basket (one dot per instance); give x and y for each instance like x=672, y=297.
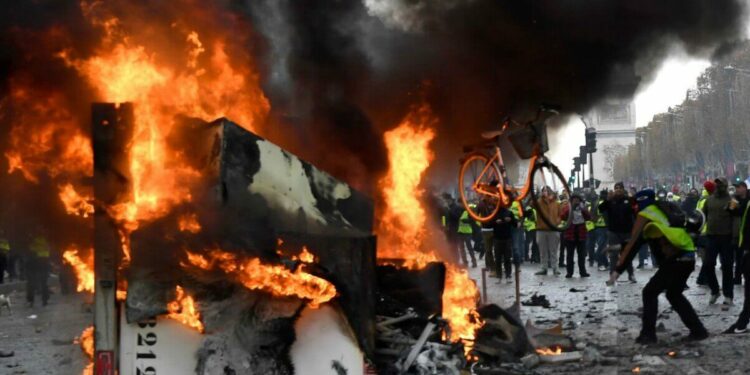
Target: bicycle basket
x=530, y=140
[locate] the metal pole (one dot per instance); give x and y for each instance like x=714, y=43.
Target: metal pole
x=591, y=169
x=111, y=131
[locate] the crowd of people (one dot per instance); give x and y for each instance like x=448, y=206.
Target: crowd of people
x=609, y=230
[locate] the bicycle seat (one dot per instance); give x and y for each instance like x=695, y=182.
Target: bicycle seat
x=492, y=134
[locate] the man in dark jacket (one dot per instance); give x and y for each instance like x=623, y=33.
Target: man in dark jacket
x=502, y=236
x=620, y=214
x=719, y=236
x=743, y=208
x=575, y=235
x=737, y=208
x=691, y=201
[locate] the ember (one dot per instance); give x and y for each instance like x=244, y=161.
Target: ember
x=549, y=351
x=86, y=341
x=275, y=279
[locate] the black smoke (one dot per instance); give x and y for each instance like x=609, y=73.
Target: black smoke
x=483, y=59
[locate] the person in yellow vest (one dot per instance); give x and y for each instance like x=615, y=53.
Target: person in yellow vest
x=464, y=238
x=708, y=188
x=517, y=232
x=529, y=225
x=37, y=268
x=675, y=250
x=4, y=256
x=597, y=239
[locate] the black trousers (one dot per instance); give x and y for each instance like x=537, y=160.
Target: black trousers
x=720, y=246
x=37, y=273
x=531, y=241
x=503, y=256
x=738, y=261
x=574, y=247
x=745, y=313
x=3, y=266
x=670, y=277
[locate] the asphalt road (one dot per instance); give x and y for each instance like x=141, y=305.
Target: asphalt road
x=41, y=338
x=608, y=320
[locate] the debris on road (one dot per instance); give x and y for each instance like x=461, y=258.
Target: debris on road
x=537, y=300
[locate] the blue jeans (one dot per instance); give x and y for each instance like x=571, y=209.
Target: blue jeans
x=518, y=243
x=596, y=241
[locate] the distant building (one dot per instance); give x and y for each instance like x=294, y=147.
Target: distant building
x=614, y=121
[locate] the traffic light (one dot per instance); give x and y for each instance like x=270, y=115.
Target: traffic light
x=572, y=178
x=582, y=152
x=577, y=164
x=591, y=140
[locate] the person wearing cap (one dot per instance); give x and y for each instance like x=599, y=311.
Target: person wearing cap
x=740, y=326
x=575, y=236
x=719, y=242
x=675, y=252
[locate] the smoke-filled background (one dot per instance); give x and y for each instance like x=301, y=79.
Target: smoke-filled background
x=334, y=74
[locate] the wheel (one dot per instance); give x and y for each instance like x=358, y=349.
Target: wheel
x=546, y=174
x=479, y=192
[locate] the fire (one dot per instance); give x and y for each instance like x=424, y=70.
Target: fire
x=86, y=341
x=548, y=351
x=189, y=223
x=84, y=270
x=402, y=227
x=183, y=310
x=75, y=203
x=275, y=279
x=304, y=256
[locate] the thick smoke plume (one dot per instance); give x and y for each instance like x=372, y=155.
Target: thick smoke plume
x=337, y=74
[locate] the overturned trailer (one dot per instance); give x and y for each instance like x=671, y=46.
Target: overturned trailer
x=253, y=200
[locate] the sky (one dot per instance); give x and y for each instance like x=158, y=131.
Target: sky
x=677, y=74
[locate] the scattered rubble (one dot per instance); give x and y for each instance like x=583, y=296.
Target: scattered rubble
x=537, y=300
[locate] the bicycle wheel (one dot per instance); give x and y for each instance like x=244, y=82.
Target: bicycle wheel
x=545, y=174
x=478, y=190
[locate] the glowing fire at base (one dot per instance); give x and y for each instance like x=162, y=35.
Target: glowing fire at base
x=402, y=230
x=549, y=351
x=86, y=341
x=183, y=310
x=275, y=279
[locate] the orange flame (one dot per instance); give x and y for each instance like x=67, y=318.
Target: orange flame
x=304, y=256
x=189, y=223
x=86, y=341
x=183, y=310
x=84, y=270
x=275, y=279
x=548, y=351
x=402, y=229
x=75, y=204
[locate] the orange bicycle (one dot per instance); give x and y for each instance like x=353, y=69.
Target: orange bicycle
x=484, y=186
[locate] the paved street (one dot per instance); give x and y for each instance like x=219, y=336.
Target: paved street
x=608, y=318
x=44, y=344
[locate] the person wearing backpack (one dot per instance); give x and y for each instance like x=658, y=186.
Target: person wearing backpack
x=719, y=237
x=674, y=249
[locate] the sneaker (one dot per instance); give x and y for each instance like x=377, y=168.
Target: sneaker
x=585, y=275
x=568, y=276
x=603, y=268
x=541, y=273
x=632, y=279
x=645, y=339
x=727, y=301
x=713, y=299
x=733, y=329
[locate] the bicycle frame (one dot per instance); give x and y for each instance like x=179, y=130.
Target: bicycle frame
x=497, y=160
